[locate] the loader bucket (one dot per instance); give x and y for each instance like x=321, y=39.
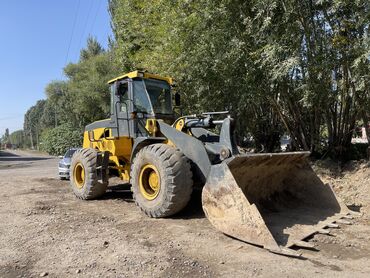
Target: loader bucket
x=271, y=200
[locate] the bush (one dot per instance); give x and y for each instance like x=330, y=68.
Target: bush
x=58, y=140
x=358, y=151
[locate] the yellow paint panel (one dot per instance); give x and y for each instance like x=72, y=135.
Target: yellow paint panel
x=147, y=75
x=119, y=147
x=155, y=76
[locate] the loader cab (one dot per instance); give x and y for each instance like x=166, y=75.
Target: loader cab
x=136, y=97
x=150, y=97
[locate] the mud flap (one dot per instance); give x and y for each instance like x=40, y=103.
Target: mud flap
x=102, y=162
x=271, y=200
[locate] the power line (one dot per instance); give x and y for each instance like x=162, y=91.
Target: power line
x=73, y=30
x=86, y=22
x=95, y=16
x=11, y=118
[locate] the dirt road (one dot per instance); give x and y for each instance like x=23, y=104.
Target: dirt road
x=45, y=230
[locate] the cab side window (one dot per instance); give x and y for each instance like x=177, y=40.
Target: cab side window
x=123, y=96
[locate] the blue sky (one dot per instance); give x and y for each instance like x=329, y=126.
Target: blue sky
x=34, y=39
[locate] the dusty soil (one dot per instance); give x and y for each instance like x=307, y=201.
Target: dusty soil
x=46, y=231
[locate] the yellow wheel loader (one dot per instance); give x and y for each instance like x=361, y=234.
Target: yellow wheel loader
x=272, y=200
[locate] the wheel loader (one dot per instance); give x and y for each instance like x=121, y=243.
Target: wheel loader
x=272, y=200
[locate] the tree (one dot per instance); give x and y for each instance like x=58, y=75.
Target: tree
x=55, y=110
x=75, y=102
x=88, y=95
x=286, y=66
x=93, y=49
x=6, y=136
x=58, y=140
x=282, y=67
x=5, y=139
x=18, y=139
x=208, y=47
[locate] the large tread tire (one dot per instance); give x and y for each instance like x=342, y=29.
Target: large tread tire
x=91, y=188
x=176, y=182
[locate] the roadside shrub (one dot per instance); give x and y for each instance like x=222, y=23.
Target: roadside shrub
x=358, y=151
x=58, y=140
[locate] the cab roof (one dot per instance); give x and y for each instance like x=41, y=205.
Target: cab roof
x=141, y=74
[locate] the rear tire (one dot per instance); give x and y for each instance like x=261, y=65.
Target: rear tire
x=83, y=175
x=170, y=169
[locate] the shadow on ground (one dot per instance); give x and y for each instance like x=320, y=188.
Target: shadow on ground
x=119, y=192
x=192, y=211
x=7, y=156
x=5, y=153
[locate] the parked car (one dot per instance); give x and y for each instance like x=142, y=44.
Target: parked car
x=65, y=163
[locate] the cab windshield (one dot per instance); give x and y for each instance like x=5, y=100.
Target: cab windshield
x=159, y=92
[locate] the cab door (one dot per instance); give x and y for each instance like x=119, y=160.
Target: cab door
x=122, y=107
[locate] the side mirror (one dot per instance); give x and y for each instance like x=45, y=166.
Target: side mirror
x=177, y=99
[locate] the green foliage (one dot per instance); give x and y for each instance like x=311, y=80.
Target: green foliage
x=5, y=139
x=87, y=96
x=93, y=49
x=289, y=66
x=17, y=138
x=58, y=140
x=358, y=151
x=32, y=122
x=281, y=66
x=75, y=102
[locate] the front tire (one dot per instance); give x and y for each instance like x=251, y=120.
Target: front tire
x=83, y=175
x=161, y=180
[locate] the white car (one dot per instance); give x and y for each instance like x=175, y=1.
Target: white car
x=65, y=163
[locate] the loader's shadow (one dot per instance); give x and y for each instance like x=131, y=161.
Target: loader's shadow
x=120, y=191
x=193, y=210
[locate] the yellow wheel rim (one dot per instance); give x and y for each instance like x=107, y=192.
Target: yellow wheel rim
x=149, y=182
x=79, y=175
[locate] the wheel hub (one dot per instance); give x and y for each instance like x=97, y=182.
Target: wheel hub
x=149, y=182
x=79, y=175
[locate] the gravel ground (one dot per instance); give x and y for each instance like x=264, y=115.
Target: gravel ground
x=46, y=231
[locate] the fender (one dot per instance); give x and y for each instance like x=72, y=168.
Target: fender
x=191, y=147
x=141, y=142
